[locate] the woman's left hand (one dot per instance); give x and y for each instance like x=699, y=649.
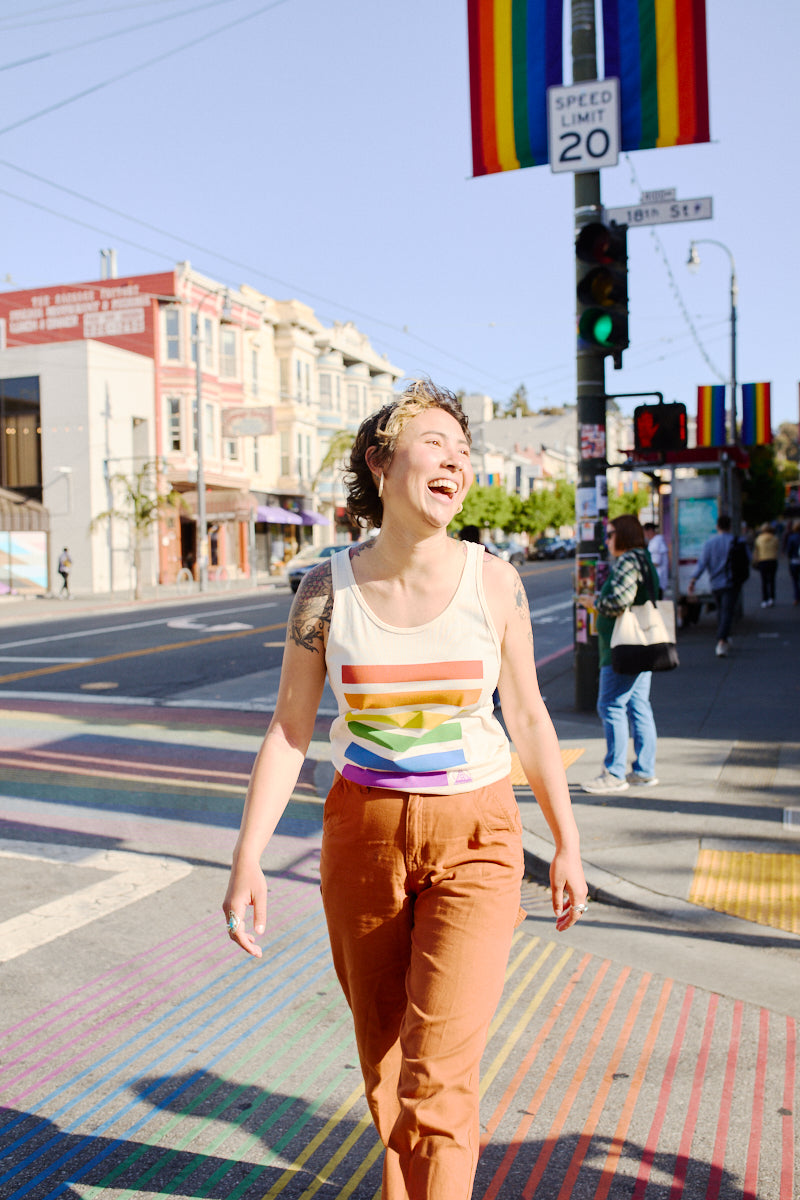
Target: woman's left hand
x=568, y=889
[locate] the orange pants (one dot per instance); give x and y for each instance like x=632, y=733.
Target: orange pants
x=421, y=896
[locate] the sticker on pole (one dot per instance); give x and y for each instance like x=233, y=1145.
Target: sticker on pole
x=583, y=125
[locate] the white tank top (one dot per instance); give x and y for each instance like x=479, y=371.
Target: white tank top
x=415, y=705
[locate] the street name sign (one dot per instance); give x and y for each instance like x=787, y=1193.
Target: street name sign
x=583, y=125
x=661, y=212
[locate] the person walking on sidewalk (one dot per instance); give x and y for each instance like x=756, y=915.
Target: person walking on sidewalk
x=717, y=557
x=421, y=848
x=765, y=558
x=658, y=550
x=793, y=555
x=623, y=701
x=64, y=567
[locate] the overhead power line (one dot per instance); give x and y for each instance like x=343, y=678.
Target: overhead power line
x=150, y=62
x=103, y=37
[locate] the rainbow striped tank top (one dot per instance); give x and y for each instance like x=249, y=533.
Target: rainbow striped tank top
x=415, y=705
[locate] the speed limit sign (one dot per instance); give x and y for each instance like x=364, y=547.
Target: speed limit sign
x=583, y=125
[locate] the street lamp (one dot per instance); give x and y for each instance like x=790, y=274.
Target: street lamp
x=693, y=262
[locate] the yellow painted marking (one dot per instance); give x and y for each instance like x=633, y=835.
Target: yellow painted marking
x=100, y=686
x=516, y=1033
x=764, y=888
x=568, y=757
x=315, y=1142
x=336, y=1158
x=93, y=662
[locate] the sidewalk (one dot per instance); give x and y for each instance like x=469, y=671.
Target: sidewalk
x=723, y=825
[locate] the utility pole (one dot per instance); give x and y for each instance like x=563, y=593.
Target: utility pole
x=591, y=387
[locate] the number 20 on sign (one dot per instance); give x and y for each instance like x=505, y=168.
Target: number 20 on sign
x=583, y=125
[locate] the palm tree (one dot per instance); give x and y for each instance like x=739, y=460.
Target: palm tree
x=141, y=503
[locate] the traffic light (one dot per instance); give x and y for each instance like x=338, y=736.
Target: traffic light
x=659, y=427
x=602, y=290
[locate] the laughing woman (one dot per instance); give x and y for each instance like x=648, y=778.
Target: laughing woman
x=421, y=852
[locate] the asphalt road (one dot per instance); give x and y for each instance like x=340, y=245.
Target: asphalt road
x=214, y=652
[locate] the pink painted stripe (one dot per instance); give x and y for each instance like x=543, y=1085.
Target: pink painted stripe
x=86, y=1013
x=541, y=662
x=517, y=1141
x=553, y=1135
x=601, y=1096
x=787, y=1117
x=728, y=1086
x=651, y=1145
x=83, y=990
x=693, y=1109
x=750, y=1189
x=527, y=1062
x=117, y=1029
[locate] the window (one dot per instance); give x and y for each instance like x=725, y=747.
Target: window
x=325, y=397
x=209, y=440
x=299, y=380
x=172, y=328
x=232, y=449
x=285, y=389
x=254, y=370
x=174, y=439
x=308, y=382
x=285, y=463
x=208, y=343
x=299, y=471
x=227, y=353
x=308, y=456
x=352, y=401
x=256, y=455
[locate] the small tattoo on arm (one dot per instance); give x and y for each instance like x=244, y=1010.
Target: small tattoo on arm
x=311, y=613
x=523, y=608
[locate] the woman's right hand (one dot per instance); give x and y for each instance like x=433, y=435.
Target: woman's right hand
x=246, y=886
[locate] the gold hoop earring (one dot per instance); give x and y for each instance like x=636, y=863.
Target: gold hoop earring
x=380, y=487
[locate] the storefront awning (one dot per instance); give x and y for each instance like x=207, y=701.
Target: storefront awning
x=273, y=514
x=312, y=518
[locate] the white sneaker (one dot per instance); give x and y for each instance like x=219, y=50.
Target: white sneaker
x=637, y=780
x=605, y=783
x=722, y=649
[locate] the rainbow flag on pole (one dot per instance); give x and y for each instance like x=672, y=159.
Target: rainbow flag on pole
x=657, y=50
x=756, y=417
x=711, y=415
x=515, y=54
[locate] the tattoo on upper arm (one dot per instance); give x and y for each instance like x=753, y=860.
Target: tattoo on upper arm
x=310, y=618
x=523, y=608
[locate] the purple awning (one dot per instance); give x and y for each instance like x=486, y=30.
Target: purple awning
x=273, y=514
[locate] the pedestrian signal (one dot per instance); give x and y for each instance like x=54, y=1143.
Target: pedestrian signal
x=659, y=427
x=601, y=253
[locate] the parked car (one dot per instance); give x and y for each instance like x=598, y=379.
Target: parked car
x=509, y=551
x=570, y=546
x=549, y=547
x=302, y=563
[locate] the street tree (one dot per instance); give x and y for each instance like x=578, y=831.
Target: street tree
x=141, y=498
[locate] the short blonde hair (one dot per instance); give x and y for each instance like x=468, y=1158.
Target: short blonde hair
x=380, y=432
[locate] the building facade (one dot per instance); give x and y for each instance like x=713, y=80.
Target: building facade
x=195, y=381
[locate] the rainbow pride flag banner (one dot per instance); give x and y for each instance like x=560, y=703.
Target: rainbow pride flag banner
x=515, y=54
x=756, y=416
x=657, y=50
x=711, y=415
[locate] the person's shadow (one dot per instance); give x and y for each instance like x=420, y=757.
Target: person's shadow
x=269, y=1132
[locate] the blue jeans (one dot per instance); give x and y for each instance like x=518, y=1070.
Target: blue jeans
x=623, y=704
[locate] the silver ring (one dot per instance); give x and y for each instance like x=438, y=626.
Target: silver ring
x=233, y=922
x=581, y=908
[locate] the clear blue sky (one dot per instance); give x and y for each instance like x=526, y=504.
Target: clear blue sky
x=322, y=150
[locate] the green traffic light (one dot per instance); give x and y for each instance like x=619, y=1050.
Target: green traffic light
x=599, y=328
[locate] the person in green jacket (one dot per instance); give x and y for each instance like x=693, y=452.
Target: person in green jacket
x=623, y=701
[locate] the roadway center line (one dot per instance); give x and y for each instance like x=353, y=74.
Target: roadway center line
x=107, y=658
x=134, y=876
x=545, y=612
x=63, y=637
